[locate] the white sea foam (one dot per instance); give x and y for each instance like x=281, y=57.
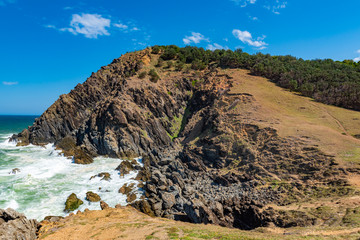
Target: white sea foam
x=46, y=179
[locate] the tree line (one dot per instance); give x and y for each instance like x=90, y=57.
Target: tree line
x=327, y=81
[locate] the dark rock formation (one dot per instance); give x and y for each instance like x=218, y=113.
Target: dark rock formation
x=72, y=203
x=202, y=162
x=15, y=226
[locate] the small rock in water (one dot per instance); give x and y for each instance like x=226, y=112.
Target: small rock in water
x=72, y=203
x=126, y=167
x=14, y=171
x=125, y=189
x=104, y=175
x=92, y=197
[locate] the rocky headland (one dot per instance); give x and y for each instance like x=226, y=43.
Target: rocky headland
x=205, y=160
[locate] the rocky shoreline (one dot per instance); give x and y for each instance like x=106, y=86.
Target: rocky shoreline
x=202, y=162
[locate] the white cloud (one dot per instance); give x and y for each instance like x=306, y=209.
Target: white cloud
x=121, y=26
x=135, y=29
x=90, y=25
x=195, y=38
x=253, y=18
x=215, y=46
x=247, y=38
x=10, y=83
x=277, y=6
x=357, y=59
x=243, y=3
x=50, y=26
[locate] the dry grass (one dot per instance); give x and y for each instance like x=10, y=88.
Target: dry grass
x=331, y=128
x=127, y=223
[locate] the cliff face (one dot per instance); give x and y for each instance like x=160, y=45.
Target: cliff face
x=203, y=161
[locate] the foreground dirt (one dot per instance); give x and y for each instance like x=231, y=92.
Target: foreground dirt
x=128, y=223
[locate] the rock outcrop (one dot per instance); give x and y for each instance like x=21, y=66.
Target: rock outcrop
x=202, y=162
x=15, y=226
x=92, y=197
x=72, y=203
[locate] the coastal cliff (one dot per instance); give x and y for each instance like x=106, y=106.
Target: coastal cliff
x=210, y=153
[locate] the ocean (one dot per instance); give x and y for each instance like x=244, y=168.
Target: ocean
x=47, y=178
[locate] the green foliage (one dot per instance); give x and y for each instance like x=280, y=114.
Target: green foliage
x=198, y=65
x=170, y=64
x=154, y=77
x=160, y=63
x=142, y=75
x=327, y=81
x=155, y=49
x=179, y=66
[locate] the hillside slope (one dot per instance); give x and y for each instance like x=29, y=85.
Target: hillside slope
x=127, y=223
x=219, y=146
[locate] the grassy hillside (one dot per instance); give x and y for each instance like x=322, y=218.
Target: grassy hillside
x=327, y=81
x=127, y=223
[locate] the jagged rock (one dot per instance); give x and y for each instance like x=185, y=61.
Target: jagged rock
x=168, y=200
x=126, y=167
x=104, y=205
x=15, y=226
x=144, y=207
x=72, y=203
x=92, y=197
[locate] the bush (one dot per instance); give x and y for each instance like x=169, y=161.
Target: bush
x=198, y=65
x=154, y=77
x=142, y=75
x=155, y=49
x=170, y=64
x=160, y=63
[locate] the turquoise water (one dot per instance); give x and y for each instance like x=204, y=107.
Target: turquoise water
x=47, y=178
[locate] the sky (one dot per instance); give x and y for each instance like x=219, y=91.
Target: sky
x=48, y=47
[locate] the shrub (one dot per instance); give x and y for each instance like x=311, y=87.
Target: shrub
x=154, y=77
x=142, y=75
x=155, y=49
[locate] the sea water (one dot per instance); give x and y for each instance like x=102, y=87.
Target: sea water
x=47, y=178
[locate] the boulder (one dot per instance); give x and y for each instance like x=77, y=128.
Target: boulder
x=131, y=197
x=125, y=189
x=104, y=205
x=92, y=197
x=14, y=225
x=72, y=203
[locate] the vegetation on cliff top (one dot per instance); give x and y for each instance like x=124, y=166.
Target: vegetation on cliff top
x=327, y=81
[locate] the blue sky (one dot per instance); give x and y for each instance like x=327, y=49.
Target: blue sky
x=47, y=47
